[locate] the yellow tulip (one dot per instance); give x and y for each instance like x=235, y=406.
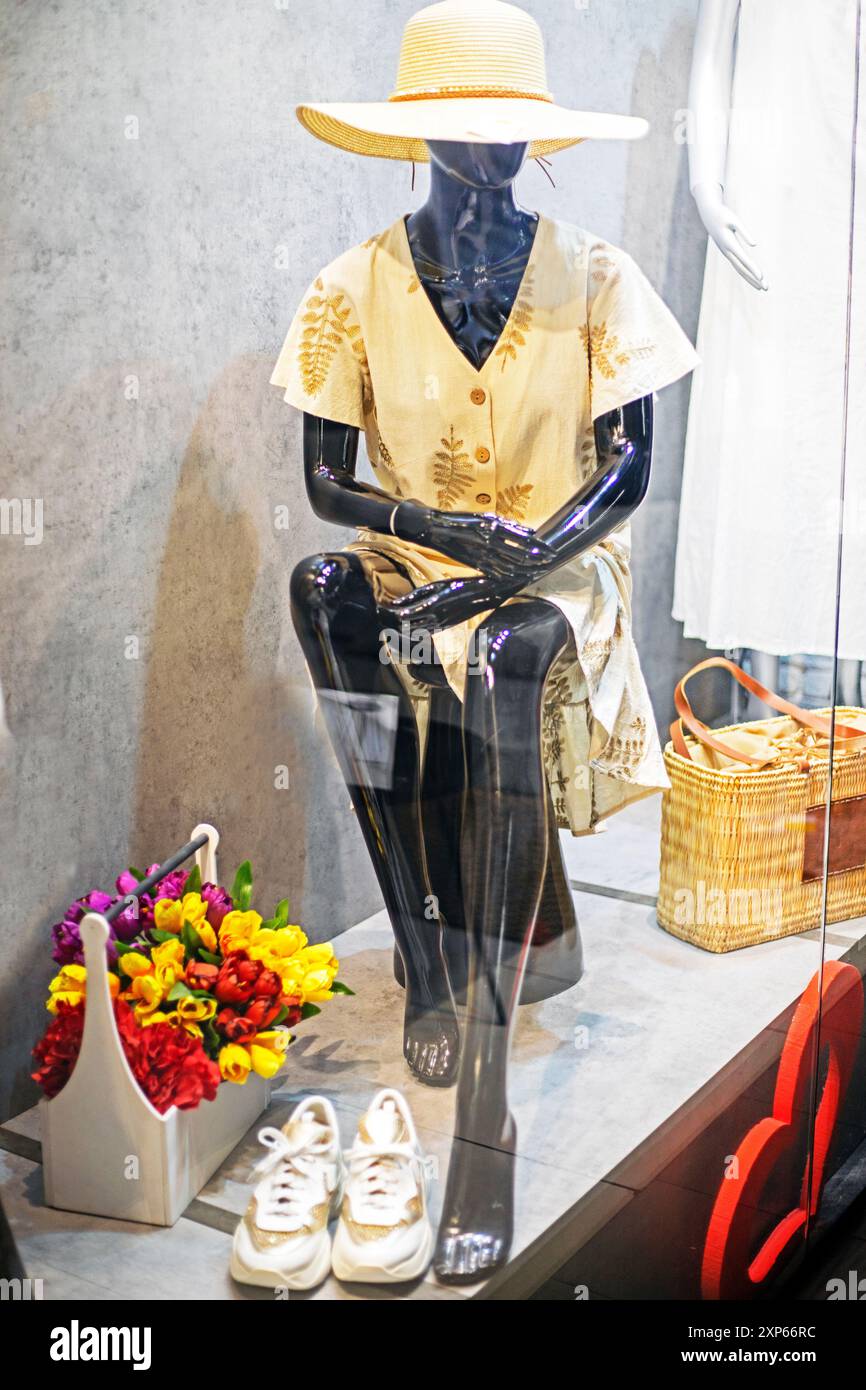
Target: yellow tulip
x=147, y=1019
x=207, y=936
x=193, y=908
x=193, y=1010
x=168, y=963
x=316, y=988
x=168, y=915
x=146, y=992
x=269, y=944
x=320, y=957
x=133, y=963
x=167, y=953
x=70, y=987
x=234, y=1063
x=237, y=929
x=267, y=1052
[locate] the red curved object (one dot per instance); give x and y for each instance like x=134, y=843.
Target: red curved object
x=731, y=1267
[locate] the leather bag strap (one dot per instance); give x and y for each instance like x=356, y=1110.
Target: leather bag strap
x=818, y=723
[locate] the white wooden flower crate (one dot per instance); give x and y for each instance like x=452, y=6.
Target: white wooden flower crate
x=106, y=1150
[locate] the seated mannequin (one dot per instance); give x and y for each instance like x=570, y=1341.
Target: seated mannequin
x=473, y=831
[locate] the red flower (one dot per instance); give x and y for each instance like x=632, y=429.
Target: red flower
x=201, y=975
x=172, y=1068
x=293, y=1004
x=268, y=985
x=169, y=1064
x=58, y=1049
x=236, y=981
x=234, y=1026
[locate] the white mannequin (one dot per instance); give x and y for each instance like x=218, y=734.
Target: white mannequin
x=710, y=98
x=710, y=90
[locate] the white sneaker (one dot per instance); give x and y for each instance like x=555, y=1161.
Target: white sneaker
x=384, y=1235
x=282, y=1240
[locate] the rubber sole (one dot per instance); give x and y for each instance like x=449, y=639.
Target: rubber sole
x=412, y=1267
x=308, y=1277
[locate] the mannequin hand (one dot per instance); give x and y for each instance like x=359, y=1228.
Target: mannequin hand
x=728, y=232
x=498, y=548
x=445, y=603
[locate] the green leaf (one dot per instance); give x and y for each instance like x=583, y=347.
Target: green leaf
x=212, y=1038
x=190, y=938
x=281, y=913
x=136, y=873
x=209, y=957
x=123, y=946
x=161, y=936
x=193, y=881
x=337, y=987
x=309, y=1010
x=242, y=888
x=179, y=991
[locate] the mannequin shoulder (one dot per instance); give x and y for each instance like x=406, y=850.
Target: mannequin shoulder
x=586, y=253
x=352, y=269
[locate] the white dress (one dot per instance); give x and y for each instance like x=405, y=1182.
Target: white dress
x=759, y=520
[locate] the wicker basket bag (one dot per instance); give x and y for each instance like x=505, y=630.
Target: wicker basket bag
x=743, y=848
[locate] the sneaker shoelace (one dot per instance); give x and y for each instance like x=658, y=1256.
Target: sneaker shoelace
x=296, y=1167
x=376, y=1171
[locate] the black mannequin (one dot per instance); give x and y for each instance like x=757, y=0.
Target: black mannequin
x=474, y=833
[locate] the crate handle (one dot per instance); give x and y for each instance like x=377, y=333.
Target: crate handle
x=101, y=1048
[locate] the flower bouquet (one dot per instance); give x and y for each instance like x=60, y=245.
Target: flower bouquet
x=169, y=993
x=203, y=989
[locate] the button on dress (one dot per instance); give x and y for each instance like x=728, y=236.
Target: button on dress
x=586, y=334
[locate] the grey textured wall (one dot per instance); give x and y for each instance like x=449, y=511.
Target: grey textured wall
x=163, y=212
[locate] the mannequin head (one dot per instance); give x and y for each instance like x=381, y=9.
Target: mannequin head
x=482, y=167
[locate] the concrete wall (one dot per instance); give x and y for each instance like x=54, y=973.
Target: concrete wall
x=163, y=213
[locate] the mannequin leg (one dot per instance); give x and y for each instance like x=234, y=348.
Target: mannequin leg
x=335, y=617
x=505, y=852
x=554, y=962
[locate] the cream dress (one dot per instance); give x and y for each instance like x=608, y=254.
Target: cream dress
x=759, y=519
x=586, y=334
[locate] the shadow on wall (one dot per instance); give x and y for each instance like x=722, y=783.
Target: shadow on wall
x=226, y=735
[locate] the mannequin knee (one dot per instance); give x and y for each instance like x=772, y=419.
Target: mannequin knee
x=523, y=640
x=315, y=580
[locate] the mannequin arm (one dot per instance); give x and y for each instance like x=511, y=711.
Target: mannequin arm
x=623, y=441
x=710, y=91
x=481, y=542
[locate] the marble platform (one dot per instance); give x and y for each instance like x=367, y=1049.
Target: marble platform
x=611, y=1081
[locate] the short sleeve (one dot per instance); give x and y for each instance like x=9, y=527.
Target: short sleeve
x=322, y=367
x=634, y=344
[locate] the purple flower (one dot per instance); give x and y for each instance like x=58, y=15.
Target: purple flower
x=172, y=885
x=66, y=935
x=219, y=904
x=126, y=883
x=97, y=902
x=128, y=923
x=68, y=949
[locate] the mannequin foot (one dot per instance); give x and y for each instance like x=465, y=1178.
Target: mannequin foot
x=431, y=1043
x=478, y=1214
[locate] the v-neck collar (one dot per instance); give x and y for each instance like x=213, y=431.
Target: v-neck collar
x=406, y=247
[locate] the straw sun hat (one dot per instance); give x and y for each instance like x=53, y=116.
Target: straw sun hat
x=471, y=71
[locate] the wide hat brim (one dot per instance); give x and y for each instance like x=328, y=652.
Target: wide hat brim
x=399, y=129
